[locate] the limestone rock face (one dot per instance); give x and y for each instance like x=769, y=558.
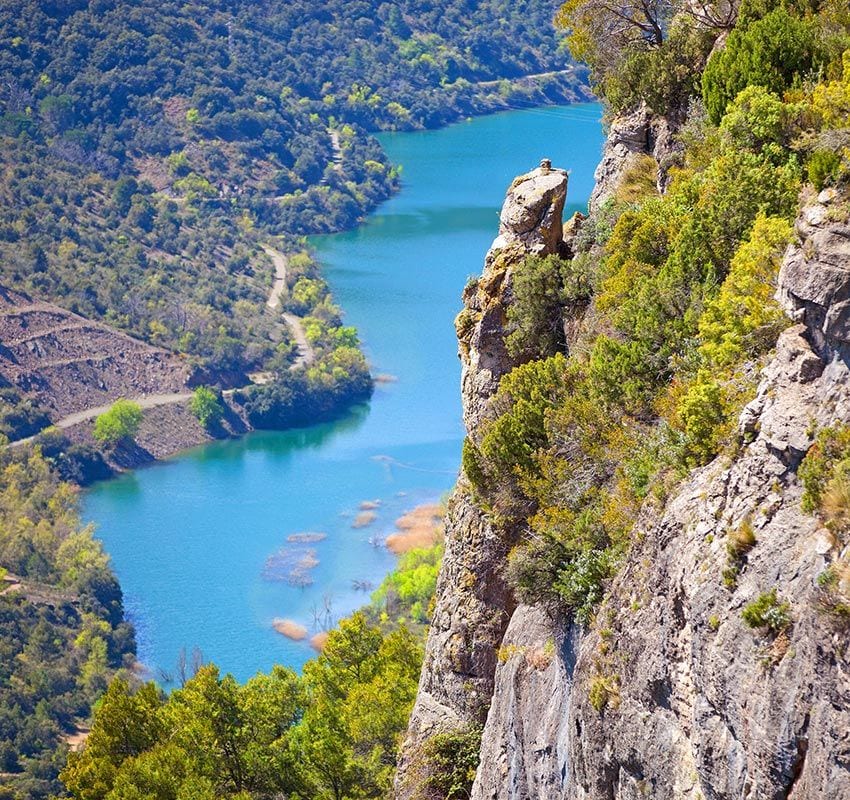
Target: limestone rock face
x=533, y=211
x=699, y=705
x=814, y=284
x=531, y=222
x=668, y=695
x=474, y=603
x=630, y=136
x=695, y=703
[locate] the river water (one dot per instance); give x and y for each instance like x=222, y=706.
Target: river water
x=190, y=538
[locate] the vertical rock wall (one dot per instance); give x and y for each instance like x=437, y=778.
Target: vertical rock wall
x=669, y=694
x=473, y=601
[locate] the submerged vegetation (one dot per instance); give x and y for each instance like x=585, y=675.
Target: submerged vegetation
x=334, y=732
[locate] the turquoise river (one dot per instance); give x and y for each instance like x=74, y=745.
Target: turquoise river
x=190, y=538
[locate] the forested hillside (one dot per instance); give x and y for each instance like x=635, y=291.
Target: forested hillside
x=62, y=627
x=148, y=146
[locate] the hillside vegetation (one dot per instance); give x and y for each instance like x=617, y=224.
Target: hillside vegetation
x=673, y=294
x=149, y=146
x=62, y=628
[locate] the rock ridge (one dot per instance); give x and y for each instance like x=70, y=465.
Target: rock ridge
x=697, y=704
x=474, y=603
x=668, y=694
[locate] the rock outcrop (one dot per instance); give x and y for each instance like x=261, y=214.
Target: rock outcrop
x=474, y=603
x=814, y=284
x=669, y=694
x=631, y=136
x=696, y=704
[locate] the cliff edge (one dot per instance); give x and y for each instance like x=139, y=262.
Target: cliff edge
x=474, y=603
x=667, y=693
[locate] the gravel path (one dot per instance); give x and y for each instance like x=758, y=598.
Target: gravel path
x=306, y=354
x=279, y=286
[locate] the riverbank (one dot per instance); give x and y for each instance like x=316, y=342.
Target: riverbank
x=231, y=504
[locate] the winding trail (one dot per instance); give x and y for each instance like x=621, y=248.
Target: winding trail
x=306, y=354
x=337, y=150
x=145, y=401
x=280, y=266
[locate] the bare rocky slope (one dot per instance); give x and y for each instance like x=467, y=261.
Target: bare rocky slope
x=698, y=704
x=68, y=363
x=74, y=368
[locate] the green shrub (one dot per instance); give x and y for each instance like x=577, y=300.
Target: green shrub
x=664, y=77
x=704, y=416
x=825, y=475
x=581, y=582
x=450, y=761
x=767, y=611
x=824, y=168
x=774, y=52
x=600, y=693
x=207, y=406
x=526, y=394
x=832, y=599
x=120, y=423
x=470, y=461
x=534, y=317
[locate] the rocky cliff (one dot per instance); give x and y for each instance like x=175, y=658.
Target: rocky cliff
x=668, y=693
x=473, y=601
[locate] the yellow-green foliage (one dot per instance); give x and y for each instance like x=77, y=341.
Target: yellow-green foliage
x=334, y=732
x=407, y=591
x=120, y=422
x=830, y=100
x=703, y=414
x=742, y=320
x=639, y=180
x=830, y=105
x=739, y=542
x=62, y=633
x=602, y=691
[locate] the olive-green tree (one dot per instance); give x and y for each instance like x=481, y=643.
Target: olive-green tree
x=119, y=423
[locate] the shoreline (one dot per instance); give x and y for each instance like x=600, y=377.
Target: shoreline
x=183, y=433
x=345, y=288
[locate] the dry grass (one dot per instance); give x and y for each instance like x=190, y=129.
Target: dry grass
x=290, y=629
x=742, y=539
x=421, y=527
x=364, y=519
x=77, y=739
x=639, y=179
x=836, y=502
